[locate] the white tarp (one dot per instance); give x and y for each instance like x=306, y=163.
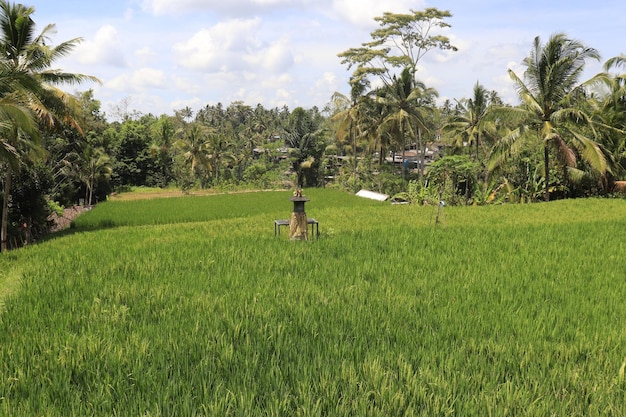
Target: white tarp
x=372, y=195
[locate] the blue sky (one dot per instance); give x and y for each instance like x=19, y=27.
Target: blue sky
x=157, y=56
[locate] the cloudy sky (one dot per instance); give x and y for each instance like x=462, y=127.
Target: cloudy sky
x=162, y=55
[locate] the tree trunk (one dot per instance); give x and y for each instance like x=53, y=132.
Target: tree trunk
x=89, y=201
x=5, y=210
x=298, y=227
x=403, y=156
x=546, y=168
x=422, y=152
x=477, y=146
x=353, y=134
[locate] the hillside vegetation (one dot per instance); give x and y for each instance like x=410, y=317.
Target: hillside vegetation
x=191, y=306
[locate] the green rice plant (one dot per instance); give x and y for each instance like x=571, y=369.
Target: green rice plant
x=213, y=207
x=500, y=310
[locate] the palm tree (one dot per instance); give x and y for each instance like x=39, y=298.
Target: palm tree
x=304, y=139
x=194, y=146
x=403, y=111
x=30, y=82
x=549, y=91
x=349, y=115
x=15, y=117
x=611, y=109
x=218, y=152
x=17, y=131
x=90, y=165
x=14, y=145
x=473, y=123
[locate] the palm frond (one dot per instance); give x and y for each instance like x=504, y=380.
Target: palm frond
x=504, y=149
x=565, y=152
x=592, y=152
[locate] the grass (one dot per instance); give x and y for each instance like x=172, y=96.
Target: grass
x=191, y=306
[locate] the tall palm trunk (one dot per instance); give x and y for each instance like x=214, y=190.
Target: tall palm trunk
x=546, y=168
x=422, y=152
x=403, y=154
x=353, y=134
x=89, y=193
x=5, y=210
x=477, y=146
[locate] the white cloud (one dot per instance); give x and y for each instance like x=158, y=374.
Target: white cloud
x=282, y=94
x=161, y=7
x=275, y=83
x=186, y=85
x=275, y=57
x=149, y=77
x=218, y=48
x=239, y=7
x=106, y=48
x=234, y=45
x=195, y=52
x=146, y=54
x=199, y=52
x=139, y=80
x=362, y=12
x=325, y=85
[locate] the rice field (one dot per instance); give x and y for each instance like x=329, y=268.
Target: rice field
x=191, y=306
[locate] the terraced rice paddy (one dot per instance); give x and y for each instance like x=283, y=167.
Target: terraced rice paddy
x=191, y=306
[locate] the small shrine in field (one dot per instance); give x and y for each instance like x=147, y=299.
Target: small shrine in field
x=298, y=226
x=298, y=223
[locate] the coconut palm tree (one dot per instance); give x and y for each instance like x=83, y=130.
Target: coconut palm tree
x=13, y=115
x=14, y=145
x=403, y=110
x=195, y=147
x=29, y=81
x=473, y=124
x=611, y=109
x=349, y=116
x=218, y=153
x=549, y=91
x=304, y=138
x=90, y=166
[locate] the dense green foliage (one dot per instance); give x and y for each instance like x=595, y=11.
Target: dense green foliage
x=191, y=306
x=564, y=139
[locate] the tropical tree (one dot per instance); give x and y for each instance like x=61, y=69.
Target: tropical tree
x=349, y=114
x=30, y=82
x=403, y=113
x=89, y=166
x=133, y=160
x=194, y=147
x=549, y=91
x=400, y=42
x=15, y=142
x=398, y=45
x=218, y=148
x=473, y=124
x=305, y=141
x=161, y=149
x=610, y=109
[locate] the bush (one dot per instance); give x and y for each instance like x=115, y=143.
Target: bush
x=28, y=207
